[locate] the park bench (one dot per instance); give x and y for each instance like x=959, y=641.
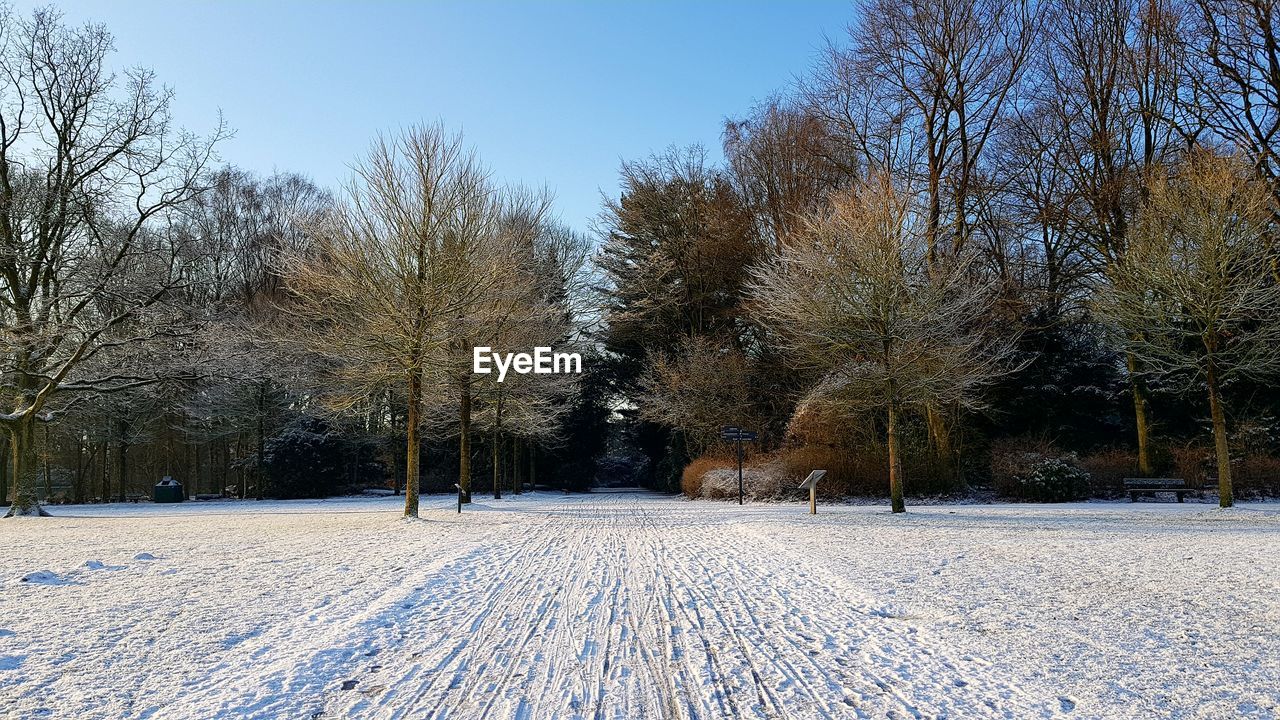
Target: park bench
x=136, y=497
x=1139, y=486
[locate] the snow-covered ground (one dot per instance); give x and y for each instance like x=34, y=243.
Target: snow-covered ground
x=631, y=605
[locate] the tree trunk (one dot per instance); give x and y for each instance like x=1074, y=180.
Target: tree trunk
x=45, y=450
x=464, y=442
x=261, y=465
x=533, y=466
x=4, y=470
x=192, y=461
x=515, y=466
x=895, y=460
x=104, y=480
x=77, y=489
x=940, y=441
x=497, y=449
x=22, y=436
x=1226, y=498
x=497, y=464
x=411, y=446
x=1140, y=416
x=122, y=460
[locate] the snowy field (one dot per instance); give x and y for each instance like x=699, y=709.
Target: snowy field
x=631, y=605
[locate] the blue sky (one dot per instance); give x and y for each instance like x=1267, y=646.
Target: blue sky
x=553, y=93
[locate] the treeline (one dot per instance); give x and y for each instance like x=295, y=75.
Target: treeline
x=1031, y=245
x=1024, y=245
x=264, y=337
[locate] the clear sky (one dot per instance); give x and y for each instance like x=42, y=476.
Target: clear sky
x=551, y=93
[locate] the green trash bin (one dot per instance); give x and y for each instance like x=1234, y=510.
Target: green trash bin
x=167, y=490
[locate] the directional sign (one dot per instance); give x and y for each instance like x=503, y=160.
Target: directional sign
x=733, y=433
x=811, y=482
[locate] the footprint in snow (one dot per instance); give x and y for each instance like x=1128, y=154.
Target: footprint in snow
x=99, y=565
x=4, y=633
x=1067, y=703
x=145, y=556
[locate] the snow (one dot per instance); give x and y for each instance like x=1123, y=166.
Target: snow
x=631, y=605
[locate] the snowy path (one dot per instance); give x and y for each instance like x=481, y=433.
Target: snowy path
x=636, y=606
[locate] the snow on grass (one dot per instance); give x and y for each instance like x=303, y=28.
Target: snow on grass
x=631, y=605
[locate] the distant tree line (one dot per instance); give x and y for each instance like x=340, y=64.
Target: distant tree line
x=1025, y=245
x=162, y=314
x=981, y=239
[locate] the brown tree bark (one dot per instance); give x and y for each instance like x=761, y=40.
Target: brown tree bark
x=122, y=459
x=895, y=460
x=104, y=480
x=515, y=466
x=497, y=448
x=77, y=488
x=22, y=436
x=464, y=442
x=412, y=448
x=1226, y=497
x=940, y=442
x=4, y=470
x=1142, y=421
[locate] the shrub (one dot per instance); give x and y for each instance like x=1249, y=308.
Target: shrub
x=1108, y=469
x=1194, y=463
x=716, y=478
x=849, y=472
x=692, y=477
x=310, y=459
x=1256, y=476
x=1032, y=469
x=758, y=483
x=1054, y=480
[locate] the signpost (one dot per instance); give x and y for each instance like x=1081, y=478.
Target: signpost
x=811, y=484
x=459, y=497
x=738, y=435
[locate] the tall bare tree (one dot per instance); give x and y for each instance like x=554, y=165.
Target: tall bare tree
x=1111, y=94
x=91, y=171
x=1235, y=61
x=860, y=298
x=393, y=269
x=1194, y=293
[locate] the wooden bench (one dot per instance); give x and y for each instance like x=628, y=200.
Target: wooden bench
x=136, y=497
x=1140, y=486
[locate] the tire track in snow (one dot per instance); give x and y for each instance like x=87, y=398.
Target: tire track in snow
x=466, y=580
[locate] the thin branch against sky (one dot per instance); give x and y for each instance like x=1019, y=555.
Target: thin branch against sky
x=557, y=93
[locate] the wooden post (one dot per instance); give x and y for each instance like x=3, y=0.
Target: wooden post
x=811, y=484
x=739, y=470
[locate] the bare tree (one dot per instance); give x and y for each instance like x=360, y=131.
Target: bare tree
x=697, y=389
x=924, y=88
x=1235, y=61
x=859, y=297
x=527, y=408
x=512, y=307
x=1110, y=95
x=1194, y=294
x=393, y=269
x=783, y=161
x=91, y=169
